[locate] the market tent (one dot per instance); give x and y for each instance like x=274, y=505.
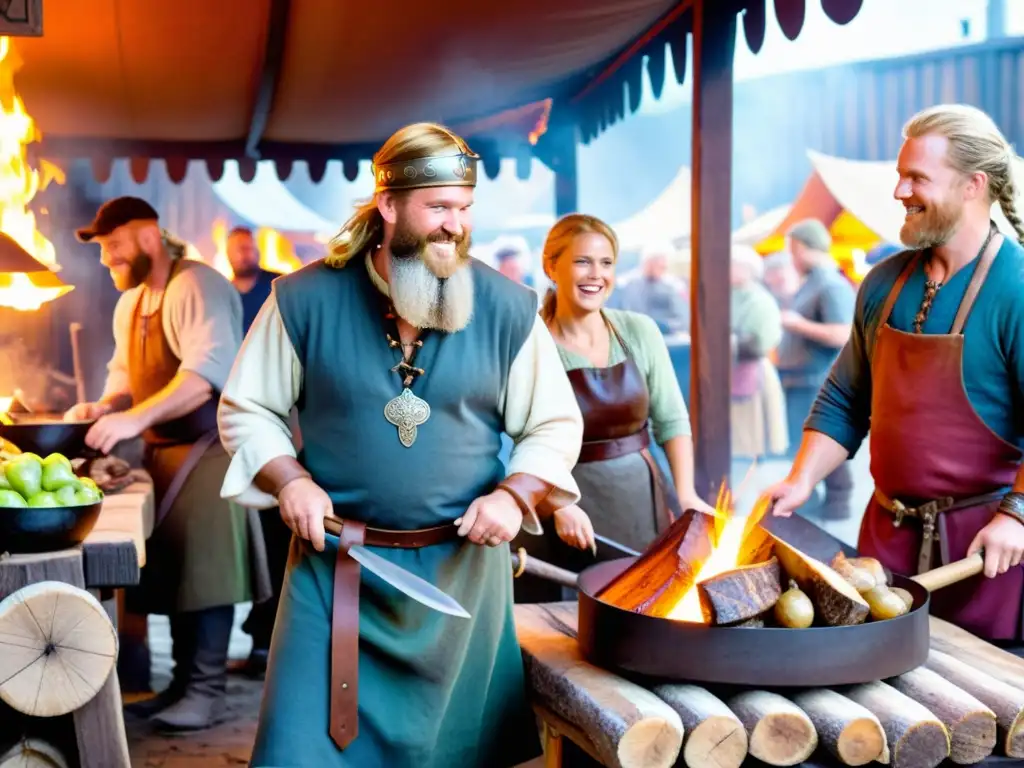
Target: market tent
x=667, y=218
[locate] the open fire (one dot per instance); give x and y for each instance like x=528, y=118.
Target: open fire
x=23, y=289
x=728, y=552
x=276, y=251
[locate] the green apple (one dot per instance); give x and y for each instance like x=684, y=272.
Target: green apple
x=87, y=495
x=57, y=473
x=10, y=499
x=44, y=499
x=90, y=482
x=25, y=474
x=4, y=485
x=67, y=495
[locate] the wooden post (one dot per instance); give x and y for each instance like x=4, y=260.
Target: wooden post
x=557, y=149
x=714, y=39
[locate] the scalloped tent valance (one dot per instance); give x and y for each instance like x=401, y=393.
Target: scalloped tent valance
x=286, y=81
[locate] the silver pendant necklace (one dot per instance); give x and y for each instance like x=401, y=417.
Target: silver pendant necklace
x=407, y=412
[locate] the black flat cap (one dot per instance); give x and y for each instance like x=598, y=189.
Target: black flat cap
x=116, y=213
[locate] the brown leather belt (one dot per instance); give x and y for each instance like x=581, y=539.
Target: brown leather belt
x=344, y=716
x=928, y=513
x=602, y=450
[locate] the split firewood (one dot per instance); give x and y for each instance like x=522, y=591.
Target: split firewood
x=629, y=726
x=778, y=731
x=836, y=601
x=971, y=724
x=916, y=738
x=656, y=582
x=57, y=648
x=1006, y=701
x=713, y=736
x=740, y=594
x=851, y=732
x=961, y=644
x=33, y=753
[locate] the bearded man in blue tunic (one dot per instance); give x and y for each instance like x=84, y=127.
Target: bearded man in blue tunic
x=406, y=359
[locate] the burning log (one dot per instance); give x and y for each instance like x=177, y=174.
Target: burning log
x=1004, y=700
x=628, y=726
x=849, y=731
x=971, y=725
x=656, y=582
x=778, y=731
x=713, y=736
x=835, y=600
x=740, y=594
x=916, y=737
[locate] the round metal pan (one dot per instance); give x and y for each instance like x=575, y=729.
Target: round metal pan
x=614, y=638
x=45, y=435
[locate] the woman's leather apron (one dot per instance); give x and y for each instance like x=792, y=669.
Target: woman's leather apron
x=615, y=405
x=196, y=556
x=939, y=471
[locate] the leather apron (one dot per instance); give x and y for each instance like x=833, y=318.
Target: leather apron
x=197, y=555
x=623, y=490
x=939, y=471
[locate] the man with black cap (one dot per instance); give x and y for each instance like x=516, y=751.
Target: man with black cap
x=177, y=330
x=816, y=325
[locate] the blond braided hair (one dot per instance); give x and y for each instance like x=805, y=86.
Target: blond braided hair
x=976, y=145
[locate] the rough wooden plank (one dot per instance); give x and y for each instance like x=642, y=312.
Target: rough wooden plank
x=627, y=725
x=110, y=560
x=18, y=571
x=99, y=728
x=972, y=650
x=128, y=512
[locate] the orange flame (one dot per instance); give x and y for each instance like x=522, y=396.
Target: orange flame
x=276, y=251
x=726, y=553
x=19, y=184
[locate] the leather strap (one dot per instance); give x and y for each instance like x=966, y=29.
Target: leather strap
x=195, y=453
x=928, y=513
x=345, y=639
x=532, y=497
x=344, y=713
x=894, y=292
x=977, y=280
x=602, y=450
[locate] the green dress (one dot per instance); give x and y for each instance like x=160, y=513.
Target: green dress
x=434, y=690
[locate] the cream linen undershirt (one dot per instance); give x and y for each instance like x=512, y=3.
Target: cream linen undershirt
x=540, y=411
x=202, y=322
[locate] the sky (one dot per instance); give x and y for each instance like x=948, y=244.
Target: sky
x=883, y=28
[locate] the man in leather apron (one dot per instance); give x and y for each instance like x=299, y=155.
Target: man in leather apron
x=935, y=365
x=177, y=329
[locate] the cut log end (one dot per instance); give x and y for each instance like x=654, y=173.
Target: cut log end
x=923, y=745
x=718, y=742
x=846, y=729
x=778, y=731
x=740, y=594
x=33, y=753
x=861, y=741
x=57, y=648
x=649, y=742
x=916, y=738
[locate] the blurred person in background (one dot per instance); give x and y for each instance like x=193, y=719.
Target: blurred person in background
x=656, y=293
x=619, y=367
x=757, y=412
x=817, y=324
x=780, y=277
x=249, y=278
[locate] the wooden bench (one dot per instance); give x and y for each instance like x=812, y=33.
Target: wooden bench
x=109, y=559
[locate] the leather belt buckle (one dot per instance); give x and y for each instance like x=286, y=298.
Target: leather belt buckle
x=899, y=510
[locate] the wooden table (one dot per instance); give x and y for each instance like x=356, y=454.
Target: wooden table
x=621, y=723
x=109, y=559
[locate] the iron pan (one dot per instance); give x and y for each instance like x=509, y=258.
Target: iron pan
x=33, y=434
x=614, y=638
x=46, y=529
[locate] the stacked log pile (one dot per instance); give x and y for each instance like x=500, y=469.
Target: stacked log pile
x=964, y=705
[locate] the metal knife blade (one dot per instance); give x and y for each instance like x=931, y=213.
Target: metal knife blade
x=409, y=583
x=621, y=548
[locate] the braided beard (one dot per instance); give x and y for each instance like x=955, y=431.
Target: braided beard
x=420, y=296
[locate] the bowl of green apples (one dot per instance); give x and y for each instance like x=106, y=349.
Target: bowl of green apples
x=44, y=505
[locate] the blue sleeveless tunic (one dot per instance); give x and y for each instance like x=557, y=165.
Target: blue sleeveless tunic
x=434, y=690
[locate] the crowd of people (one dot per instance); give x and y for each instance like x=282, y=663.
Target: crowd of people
x=366, y=407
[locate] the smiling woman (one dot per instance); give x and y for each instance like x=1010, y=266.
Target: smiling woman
x=619, y=367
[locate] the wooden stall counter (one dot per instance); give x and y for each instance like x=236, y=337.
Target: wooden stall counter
x=965, y=706
x=110, y=558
